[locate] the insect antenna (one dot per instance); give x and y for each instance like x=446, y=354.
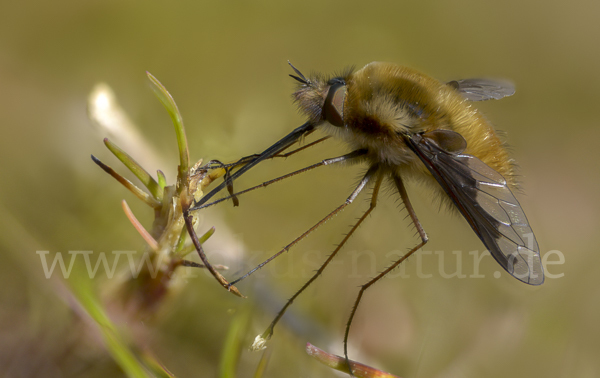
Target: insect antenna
x=300, y=77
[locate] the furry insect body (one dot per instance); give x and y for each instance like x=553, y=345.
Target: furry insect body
x=403, y=124
x=383, y=101
x=406, y=125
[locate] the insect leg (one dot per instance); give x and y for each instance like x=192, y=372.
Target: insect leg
x=413, y=216
x=189, y=204
x=248, y=159
x=351, y=198
x=275, y=149
x=338, y=159
x=230, y=286
x=190, y=228
x=348, y=201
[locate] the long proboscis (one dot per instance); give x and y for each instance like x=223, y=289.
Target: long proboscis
x=276, y=148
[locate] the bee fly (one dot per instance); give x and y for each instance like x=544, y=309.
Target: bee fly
x=405, y=125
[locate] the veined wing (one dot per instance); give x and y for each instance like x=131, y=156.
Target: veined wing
x=484, y=199
x=483, y=89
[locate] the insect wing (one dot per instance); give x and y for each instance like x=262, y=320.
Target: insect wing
x=483, y=89
x=484, y=199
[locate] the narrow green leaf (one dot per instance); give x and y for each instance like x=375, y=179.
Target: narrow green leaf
x=181, y=241
x=262, y=364
x=190, y=248
x=162, y=180
x=136, y=169
x=233, y=345
x=155, y=366
x=207, y=235
x=116, y=346
x=139, y=193
x=167, y=100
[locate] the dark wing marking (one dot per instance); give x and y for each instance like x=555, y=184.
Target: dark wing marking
x=484, y=199
x=483, y=89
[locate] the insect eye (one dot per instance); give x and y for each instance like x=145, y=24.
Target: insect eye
x=333, y=108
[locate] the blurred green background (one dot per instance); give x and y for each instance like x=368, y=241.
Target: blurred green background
x=225, y=63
